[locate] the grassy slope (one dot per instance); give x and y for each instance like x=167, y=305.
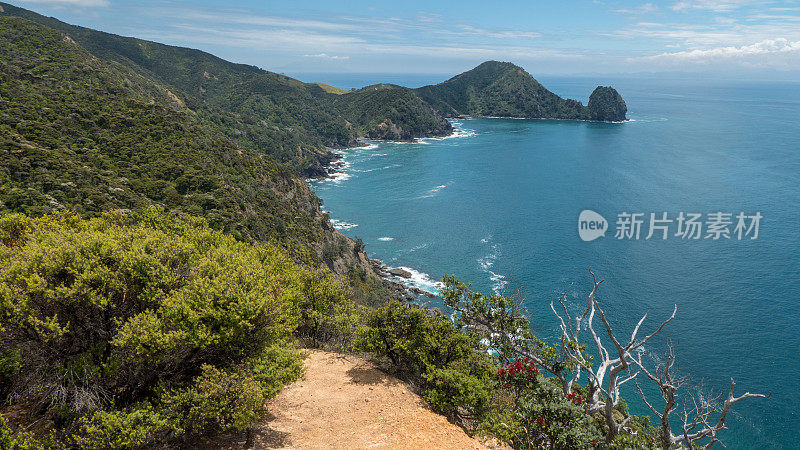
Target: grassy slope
x=329, y=89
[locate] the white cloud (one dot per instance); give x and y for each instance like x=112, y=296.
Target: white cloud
x=326, y=38
x=289, y=39
x=79, y=3
x=766, y=47
x=327, y=56
x=705, y=31
x=711, y=5
x=468, y=30
x=708, y=35
x=376, y=28
x=779, y=17
x=640, y=10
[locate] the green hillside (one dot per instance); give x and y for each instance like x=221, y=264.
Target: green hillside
x=292, y=121
x=82, y=134
x=329, y=89
x=503, y=89
x=390, y=112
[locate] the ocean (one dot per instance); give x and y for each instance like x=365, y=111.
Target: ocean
x=498, y=204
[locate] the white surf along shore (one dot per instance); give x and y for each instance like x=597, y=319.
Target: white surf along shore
x=341, y=170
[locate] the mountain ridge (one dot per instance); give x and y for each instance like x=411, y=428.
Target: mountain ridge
x=82, y=134
x=503, y=89
x=296, y=123
x=251, y=127
x=305, y=122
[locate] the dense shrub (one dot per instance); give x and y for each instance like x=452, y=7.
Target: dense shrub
x=449, y=364
x=132, y=329
x=23, y=440
x=542, y=414
x=531, y=408
x=327, y=315
x=130, y=428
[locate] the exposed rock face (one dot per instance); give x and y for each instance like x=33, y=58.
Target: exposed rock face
x=606, y=105
x=400, y=273
x=387, y=130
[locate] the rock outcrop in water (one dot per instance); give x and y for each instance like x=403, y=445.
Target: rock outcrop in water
x=502, y=89
x=606, y=105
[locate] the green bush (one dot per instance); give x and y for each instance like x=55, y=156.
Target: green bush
x=327, y=315
x=134, y=428
x=545, y=417
x=448, y=363
x=23, y=440
x=217, y=401
x=133, y=329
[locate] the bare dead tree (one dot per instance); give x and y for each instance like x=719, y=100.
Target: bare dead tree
x=698, y=409
x=500, y=320
x=668, y=383
x=610, y=370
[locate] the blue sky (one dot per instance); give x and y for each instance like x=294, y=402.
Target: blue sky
x=546, y=37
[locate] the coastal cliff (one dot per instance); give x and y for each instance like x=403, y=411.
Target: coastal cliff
x=248, y=135
x=300, y=124
x=606, y=105
x=502, y=89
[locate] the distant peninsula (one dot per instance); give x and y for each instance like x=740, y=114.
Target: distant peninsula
x=301, y=124
x=502, y=89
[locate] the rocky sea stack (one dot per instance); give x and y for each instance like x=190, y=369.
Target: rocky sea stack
x=502, y=89
x=606, y=105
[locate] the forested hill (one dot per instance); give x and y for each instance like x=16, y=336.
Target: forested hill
x=93, y=121
x=297, y=123
x=506, y=90
x=291, y=121
x=83, y=134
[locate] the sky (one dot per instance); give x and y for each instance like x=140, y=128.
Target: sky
x=548, y=37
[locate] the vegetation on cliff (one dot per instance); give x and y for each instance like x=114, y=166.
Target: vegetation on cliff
x=503, y=89
x=125, y=331
x=82, y=134
x=390, y=112
x=291, y=121
x=605, y=104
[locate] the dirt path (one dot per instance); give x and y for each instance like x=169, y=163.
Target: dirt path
x=346, y=402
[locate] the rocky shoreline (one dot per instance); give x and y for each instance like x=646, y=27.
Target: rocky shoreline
x=330, y=162
x=389, y=276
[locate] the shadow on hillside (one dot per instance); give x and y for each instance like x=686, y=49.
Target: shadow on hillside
x=263, y=437
x=365, y=374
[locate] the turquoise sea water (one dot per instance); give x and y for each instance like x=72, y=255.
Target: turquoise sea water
x=500, y=202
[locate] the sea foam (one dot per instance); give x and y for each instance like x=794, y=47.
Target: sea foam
x=342, y=225
x=420, y=280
